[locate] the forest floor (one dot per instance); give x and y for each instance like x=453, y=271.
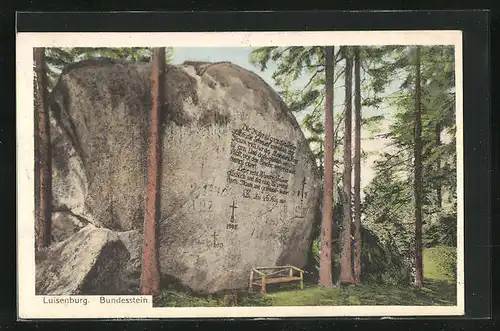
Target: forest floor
x=438, y=290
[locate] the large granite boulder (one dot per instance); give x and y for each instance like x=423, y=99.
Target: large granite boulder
x=238, y=186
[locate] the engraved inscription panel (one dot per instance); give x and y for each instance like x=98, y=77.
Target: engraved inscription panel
x=262, y=164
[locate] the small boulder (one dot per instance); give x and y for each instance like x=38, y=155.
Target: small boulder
x=89, y=262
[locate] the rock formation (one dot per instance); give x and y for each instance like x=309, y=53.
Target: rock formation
x=90, y=263
x=239, y=186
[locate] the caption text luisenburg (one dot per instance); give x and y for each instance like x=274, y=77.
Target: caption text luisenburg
x=101, y=299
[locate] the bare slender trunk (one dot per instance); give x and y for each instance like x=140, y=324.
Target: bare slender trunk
x=325, y=268
x=43, y=153
x=150, y=277
x=346, y=272
x=357, y=164
x=418, y=175
x=438, y=167
x=321, y=161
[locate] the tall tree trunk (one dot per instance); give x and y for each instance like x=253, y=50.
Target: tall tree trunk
x=43, y=155
x=419, y=275
x=150, y=277
x=321, y=161
x=438, y=167
x=325, y=262
x=357, y=163
x=346, y=274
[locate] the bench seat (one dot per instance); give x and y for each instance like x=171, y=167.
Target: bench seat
x=281, y=280
x=263, y=276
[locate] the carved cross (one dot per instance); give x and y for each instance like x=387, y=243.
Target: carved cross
x=233, y=206
x=215, y=238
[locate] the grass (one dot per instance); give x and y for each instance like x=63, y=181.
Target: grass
x=439, y=262
x=438, y=290
x=434, y=292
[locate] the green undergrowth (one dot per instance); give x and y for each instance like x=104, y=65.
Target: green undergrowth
x=439, y=289
x=433, y=293
x=440, y=263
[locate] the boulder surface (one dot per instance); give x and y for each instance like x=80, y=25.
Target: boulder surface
x=90, y=262
x=238, y=185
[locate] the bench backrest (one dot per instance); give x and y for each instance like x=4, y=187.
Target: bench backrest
x=275, y=271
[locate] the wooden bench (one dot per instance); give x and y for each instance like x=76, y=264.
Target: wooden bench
x=261, y=276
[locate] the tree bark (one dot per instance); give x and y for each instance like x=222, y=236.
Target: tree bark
x=43, y=155
x=325, y=268
x=150, y=277
x=321, y=171
x=439, y=187
x=346, y=272
x=357, y=163
x=418, y=175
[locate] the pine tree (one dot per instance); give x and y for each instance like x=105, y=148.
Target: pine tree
x=43, y=163
x=357, y=165
x=294, y=63
x=325, y=270
x=418, y=175
x=150, y=277
x=346, y=272
x=390, y=205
